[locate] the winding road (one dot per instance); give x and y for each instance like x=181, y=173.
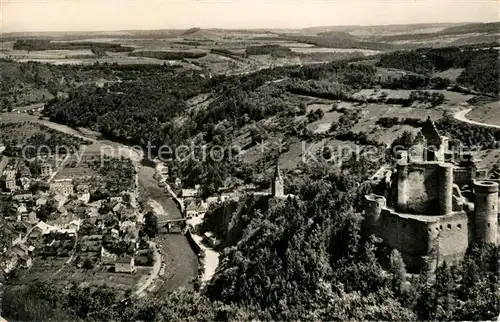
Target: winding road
x=460, y=116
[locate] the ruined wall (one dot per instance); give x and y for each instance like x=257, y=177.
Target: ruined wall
x=445, y=239
x=453, y=238
x=461, y=176
x=407, y=235
x=425, y=188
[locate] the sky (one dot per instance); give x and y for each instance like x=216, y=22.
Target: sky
x=104, y=15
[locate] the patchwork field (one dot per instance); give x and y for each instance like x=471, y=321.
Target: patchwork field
x=489, y=113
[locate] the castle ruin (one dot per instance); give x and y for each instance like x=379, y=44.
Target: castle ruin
x=436, y=204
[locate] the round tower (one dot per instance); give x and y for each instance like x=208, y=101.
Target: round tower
x=446, y=188
x=372, y=214
x=486, y=211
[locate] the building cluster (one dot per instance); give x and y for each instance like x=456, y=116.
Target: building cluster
x=45, y=216
x=434, y=203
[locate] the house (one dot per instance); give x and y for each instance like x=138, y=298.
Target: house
x=24, y=183
x=194, y=208
x=62, y=186
x=84, y=197
x=107, y=258
x=116, y=199
x=7, y=184
x=210, y=239
x=46, y=169
x=125, y=264
x=22, y=208
x=126, y=226
x=23, y=196
x=25, y=261
x=10, y=173
x=35, y=233
x=20, y=250
x=9, y=263
x=213, y=200
x=82, y=188
x=41, y=201
x=115, y=233
x=74, y=225
x=22, y=227
x=60, y=200
x=190, y=193
x=29, y=218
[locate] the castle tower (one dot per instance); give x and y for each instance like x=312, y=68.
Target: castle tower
x=486, y=211
x=372, y=214
x=446, y=188
x=278, y=185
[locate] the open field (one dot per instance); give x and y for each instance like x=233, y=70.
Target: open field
x=48, y=269
x=236, y=41
x=489, y=113
x=308, y=50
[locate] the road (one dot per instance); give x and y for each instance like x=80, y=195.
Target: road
x=460, y=115
x=54, y=174
x=141, y=291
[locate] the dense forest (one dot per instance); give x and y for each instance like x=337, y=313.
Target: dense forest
x=480, y=62
x=167, y=55
x=42, y=44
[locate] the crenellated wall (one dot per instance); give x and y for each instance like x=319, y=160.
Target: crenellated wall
x=421, y=239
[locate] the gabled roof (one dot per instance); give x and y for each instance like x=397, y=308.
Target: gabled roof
x=124, y=259
x=431, y=133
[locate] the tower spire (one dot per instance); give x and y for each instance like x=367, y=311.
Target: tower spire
x=277, y=184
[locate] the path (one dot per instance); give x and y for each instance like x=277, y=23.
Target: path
x=61, y=165
x=141, y=291
x=211, y=259
x=460, y=115
x=70, y=259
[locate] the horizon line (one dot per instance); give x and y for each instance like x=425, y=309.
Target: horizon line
x=2, y=33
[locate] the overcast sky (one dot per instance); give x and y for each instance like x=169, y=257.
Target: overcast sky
x=91, y=15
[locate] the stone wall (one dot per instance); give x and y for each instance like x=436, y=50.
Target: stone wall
x=424, y=188
x=443, y=239
x=408, y=235
x=453, y=237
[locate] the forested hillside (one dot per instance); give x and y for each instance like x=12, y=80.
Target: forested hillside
x=481, y=63
x=296, y=259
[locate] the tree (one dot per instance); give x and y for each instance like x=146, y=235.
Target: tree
x=398, y=269
x=150, y=226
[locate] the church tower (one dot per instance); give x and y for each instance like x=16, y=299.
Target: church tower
x=278, y=185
